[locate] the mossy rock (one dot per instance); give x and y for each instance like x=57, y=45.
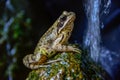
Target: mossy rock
x=71, y=67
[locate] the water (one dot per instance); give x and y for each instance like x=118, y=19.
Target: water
x=108, y=59
x=92, y=37
x=94, y=12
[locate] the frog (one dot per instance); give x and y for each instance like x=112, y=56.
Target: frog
x=53, y=41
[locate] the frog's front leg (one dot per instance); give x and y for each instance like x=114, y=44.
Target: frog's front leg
x=58, y=46
x=66, y=48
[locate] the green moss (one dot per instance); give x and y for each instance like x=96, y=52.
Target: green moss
x=73, y=66
x=33, y=76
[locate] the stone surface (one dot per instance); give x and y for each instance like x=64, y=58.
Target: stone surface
x=73, y=66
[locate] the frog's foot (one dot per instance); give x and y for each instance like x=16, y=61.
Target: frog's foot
x=44, y=66
x=53, y=61
x=76, y=50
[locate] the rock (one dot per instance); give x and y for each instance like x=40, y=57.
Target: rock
x=71, y=67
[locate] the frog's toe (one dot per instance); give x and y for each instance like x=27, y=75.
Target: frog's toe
x=53, y=61
x=77, y=50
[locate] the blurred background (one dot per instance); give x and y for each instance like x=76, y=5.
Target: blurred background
x=23, y=22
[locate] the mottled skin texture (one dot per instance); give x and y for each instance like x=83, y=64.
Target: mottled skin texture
x=53, y=41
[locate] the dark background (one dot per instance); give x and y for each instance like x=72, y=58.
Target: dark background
x=33, y=17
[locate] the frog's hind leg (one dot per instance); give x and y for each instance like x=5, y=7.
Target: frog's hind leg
x=43, y=65
x=33, y=61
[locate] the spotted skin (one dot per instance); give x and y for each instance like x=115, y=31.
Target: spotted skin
x=53, y=41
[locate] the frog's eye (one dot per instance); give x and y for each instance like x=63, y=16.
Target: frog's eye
x=63, y=18
x=60, y=25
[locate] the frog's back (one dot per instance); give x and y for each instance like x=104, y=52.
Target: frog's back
x=48, y=37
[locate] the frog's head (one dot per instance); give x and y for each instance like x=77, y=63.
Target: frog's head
x=65, y=21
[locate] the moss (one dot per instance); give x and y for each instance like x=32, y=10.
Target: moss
x=71, y=67
x=33, y=76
